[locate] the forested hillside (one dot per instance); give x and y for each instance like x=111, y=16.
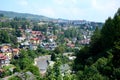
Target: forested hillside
x=11, y=14
x=101, y=59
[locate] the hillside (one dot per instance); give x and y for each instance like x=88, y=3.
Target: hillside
x=11, y=14
x=101, y=59
x=60, y=21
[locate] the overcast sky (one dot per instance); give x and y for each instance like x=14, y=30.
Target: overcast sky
x=92, y=10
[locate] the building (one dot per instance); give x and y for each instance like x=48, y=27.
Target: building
x=35, y=41
x=3, y=59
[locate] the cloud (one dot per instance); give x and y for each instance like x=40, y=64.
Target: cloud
x=73, y=12
x=104, y=8
x=74, y=1
x=47, y=11
x=23, y=2
x=60, y=2
x=64, y=2
x=106, y=5
x=95, y=10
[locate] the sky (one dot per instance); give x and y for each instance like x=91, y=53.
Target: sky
x=90, y=10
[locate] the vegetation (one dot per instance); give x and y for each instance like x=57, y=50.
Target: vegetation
x=24, y=15
x=14, y=78
x=25, y=62
x=100, y=60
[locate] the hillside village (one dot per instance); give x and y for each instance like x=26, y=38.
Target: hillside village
x=19, y=34
x=59, y=39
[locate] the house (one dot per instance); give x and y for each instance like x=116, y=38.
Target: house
x=25, y=45
x=74, y=39
x=20, y=39
x=3, y=59
x=6, y=50
x=8, y=54
x=42, y=63
x=72, y=57
x=35, y=41
x=28, y=30
x=15, y=51
x=71, y=45
x=52, y=45
x=85, y=41
x=52, y=38
x=33, y=47
x=36, y=33
x=66, y=40
x=48, y=46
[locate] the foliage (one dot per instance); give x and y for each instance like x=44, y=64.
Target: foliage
x=4, y=37
x=54, y=73
x=53, y=57
x=25, y=63
x=14, y=78
x=25, y=59
x=7, y=70
x=101, y=59
x=33, y=69
x=59, y=50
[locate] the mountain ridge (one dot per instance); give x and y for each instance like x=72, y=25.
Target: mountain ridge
x=12, y=14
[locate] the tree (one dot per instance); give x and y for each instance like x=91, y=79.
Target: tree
x=54, y=73
x=24, y=63
x=101, y=59
x=108, y=34
x=50, y=74
x=34, y=69
x=95, y=39
x=4, y=37
x=14, y=78
x=18, y=33
x=53, y=57
x=116, y=54
x=59, y=49
x=68, y=76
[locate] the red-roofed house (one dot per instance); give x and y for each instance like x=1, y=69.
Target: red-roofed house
x=71, y=45
x=36, y=33
x=15, y=51
x=6, y=50
x=35, y=41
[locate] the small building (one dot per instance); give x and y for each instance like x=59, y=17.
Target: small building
x=36, y=33
x=6, y=50
x=35, y=41
x=15, y=51
x=24, y=45
x=3, y=59
x=48, y=46
x=71, y=45
x=20, y=39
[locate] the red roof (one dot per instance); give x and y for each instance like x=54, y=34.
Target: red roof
x=35, y=39
x=15, y=50
x=5, y=47
x=36, y=32
x=2, y=57
x=71, y=45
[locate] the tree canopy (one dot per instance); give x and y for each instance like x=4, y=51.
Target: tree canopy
x=101, y=59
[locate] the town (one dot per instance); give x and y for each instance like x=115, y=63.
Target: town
x=46, y=44
x=60, y=40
